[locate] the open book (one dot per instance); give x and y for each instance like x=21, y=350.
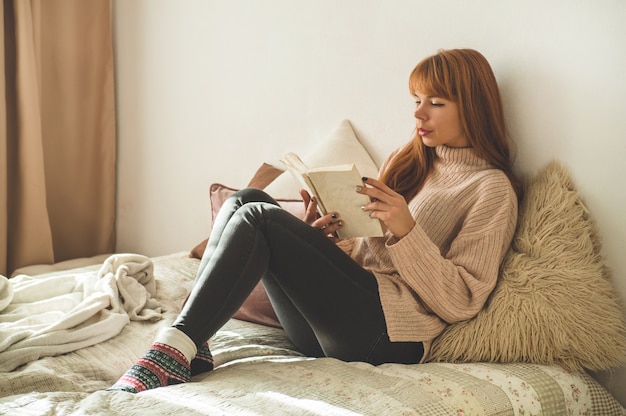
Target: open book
x=333, y=186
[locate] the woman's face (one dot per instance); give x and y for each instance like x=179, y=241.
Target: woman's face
x=438, y=122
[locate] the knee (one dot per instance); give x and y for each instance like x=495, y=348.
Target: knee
x=247, y=195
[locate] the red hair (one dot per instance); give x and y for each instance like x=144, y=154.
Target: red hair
x=465, y=77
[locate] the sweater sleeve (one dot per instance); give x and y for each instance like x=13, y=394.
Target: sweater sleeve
x=456, y=284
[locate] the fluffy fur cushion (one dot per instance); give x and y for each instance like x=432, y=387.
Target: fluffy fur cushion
x=554, y=303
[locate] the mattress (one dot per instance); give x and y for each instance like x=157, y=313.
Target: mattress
x=259, y=372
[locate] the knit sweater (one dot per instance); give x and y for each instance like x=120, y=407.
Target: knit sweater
x=444, y=269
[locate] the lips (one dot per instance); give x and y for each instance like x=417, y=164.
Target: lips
x=424, y=132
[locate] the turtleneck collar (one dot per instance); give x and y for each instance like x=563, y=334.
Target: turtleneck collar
x=459, y=157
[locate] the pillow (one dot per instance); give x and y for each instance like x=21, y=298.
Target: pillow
x=342, y=146
x=554, y=302
x=263, y=176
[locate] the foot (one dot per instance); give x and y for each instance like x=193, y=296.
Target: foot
x=161, y=366
x=203, y=360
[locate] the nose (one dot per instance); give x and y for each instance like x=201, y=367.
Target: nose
x=419, y=113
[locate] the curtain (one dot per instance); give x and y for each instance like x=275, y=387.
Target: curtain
x=57, y=137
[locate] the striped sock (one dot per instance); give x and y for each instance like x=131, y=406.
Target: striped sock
x=203, y=361
x=161, y=366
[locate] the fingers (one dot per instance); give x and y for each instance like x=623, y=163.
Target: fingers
x=377, y=191
x=305, y=196
x=328, y=224
x=310, y=207
x=376, y=186
x=388, y=206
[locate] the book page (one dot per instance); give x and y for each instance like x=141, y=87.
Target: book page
x=298, y=170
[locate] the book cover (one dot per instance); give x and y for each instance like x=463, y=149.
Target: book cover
x=333, y=186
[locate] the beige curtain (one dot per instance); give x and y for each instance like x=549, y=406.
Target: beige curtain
x=57, y=141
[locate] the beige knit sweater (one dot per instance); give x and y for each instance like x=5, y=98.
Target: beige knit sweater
x=445, y=268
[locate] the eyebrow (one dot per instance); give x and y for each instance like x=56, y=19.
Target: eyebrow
x=429, y=96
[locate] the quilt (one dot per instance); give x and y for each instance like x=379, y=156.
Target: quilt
x=259, y=372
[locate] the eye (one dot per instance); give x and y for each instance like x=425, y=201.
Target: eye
x=433, y=102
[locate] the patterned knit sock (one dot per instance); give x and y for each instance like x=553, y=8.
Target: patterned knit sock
x=161, y=366
x=203, y=361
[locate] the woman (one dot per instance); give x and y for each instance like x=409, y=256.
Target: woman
x=449, y=202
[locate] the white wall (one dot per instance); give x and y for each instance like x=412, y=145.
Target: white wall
x=208, y=90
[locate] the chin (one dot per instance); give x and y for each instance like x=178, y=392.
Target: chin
x=430, y=143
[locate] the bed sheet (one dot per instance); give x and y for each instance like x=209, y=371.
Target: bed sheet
x=259, y=372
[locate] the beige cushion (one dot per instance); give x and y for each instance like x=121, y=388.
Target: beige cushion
x=554, y=303
x=341, y=147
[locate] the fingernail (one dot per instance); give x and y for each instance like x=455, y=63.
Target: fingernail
x=333, y=215
x=362, y=207
x=358, y=188
x=340, y=223
x=364, y=178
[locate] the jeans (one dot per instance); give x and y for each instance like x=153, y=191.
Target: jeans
x=327, y=303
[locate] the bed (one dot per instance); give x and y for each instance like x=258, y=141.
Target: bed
x=553, y=316
x=260, y=373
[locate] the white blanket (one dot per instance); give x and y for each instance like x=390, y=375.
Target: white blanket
x=54, y=315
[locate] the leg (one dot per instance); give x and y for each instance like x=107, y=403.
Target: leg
x=203, y=361
x=295, y=325
x=230, y=206
x=259, y=238
x=231, y=266
x=335, y=309
x=327, y=303
x=168, y=359
x=319, y=285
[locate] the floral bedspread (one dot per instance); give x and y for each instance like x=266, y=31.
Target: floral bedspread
x=260, y=373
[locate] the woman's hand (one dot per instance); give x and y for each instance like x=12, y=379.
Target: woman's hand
x=388, y=206
x=310, y=207
x=328, y=224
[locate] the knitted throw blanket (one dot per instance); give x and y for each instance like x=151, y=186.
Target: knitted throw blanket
x=54, y=315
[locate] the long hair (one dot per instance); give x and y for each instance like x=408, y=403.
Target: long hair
x=465, y=77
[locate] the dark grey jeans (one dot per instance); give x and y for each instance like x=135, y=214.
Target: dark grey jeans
x=326, y=302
